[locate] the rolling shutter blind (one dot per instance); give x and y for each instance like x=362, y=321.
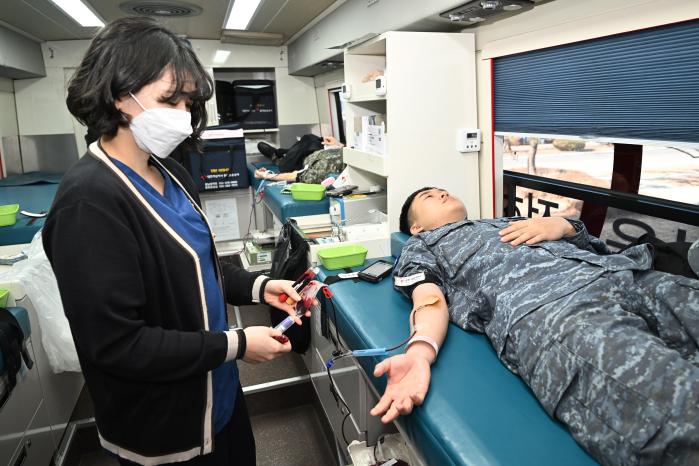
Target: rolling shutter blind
x=638, y=85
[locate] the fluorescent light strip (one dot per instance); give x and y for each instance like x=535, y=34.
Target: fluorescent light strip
x=77, y=10
x=221, y=56
x=241, y=14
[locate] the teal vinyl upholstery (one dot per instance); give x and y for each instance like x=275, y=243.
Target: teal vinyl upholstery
x=35, y=197
x=476, y=412
x=284, y=206
x=23, y=319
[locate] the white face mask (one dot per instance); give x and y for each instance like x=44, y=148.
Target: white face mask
x=160, y=130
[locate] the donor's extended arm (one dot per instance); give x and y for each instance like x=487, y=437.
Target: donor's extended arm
x=409, y=373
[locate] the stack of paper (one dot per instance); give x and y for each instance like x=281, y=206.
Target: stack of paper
x=314, y=226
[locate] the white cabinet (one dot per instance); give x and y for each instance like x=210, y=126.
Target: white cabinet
x=55, y=394
x=41, y=104
x=430, y=94
x=296, y=98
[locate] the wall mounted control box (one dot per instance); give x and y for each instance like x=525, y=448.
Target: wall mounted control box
x=346, y=91
x=380, y=86
x=468, y=140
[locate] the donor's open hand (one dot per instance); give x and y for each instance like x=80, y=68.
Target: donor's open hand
x=408, y=381
x=535, y=230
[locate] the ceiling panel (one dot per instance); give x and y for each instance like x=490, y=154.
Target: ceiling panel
x=267, y=10
x=43, y=20
x=294, y=15
x=205, y=26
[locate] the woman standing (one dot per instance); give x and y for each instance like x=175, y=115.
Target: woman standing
x=136, y=263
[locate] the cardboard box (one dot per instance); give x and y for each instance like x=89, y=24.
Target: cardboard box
x=258, y=255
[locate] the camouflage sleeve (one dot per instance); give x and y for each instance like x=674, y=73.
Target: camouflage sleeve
x=584, y=240
x=415, y=266
x=312, y=174
x=320, y=164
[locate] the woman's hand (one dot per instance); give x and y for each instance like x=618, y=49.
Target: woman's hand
x=408, y=382
x=535, y=230
x=261, y=346
x=274, y=288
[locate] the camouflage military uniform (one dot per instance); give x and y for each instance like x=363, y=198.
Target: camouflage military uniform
x=320, y=164
x=607, y=346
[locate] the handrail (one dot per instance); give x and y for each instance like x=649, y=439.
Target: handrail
x=647, y=205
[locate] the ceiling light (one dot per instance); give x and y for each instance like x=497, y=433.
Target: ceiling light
x=332, y=64
x=489, y=4
x=77, y=10
x=221, y=56
x=476, y=19
x=455, y=17
x=512, y=7
x=241, y=13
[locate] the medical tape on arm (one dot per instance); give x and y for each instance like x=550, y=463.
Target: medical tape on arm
x=429, y=301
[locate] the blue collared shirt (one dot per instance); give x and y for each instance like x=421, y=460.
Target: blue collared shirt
x=176, y=209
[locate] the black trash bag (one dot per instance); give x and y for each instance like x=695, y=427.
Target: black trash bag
x=289, y=263
x=12, y=349
x=668, y=257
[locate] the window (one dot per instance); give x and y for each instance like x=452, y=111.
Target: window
x=577, y=161
x=620, y=191
x=628, y=97
x=337, y=114
x=622, y=228
x=670, y=173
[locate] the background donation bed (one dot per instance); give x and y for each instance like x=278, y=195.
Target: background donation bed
x=476, y=411
x=34, y=192
x=281, y=205
x=252, y=166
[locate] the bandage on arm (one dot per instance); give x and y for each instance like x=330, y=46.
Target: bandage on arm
x=430, y=321
x=287, y=176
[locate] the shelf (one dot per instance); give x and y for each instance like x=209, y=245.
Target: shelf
x=365, y=92
x=373, y=163
x=367, y=98
x=374, y=46
x=410, y=157
x=260, y=131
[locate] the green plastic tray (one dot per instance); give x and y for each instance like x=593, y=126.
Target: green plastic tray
x=8, y=214
x=307, y=192
x=340, y=257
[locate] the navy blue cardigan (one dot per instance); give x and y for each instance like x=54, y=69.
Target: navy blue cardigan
x=132, y=291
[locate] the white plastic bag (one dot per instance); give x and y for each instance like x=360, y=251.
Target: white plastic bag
x=389, y=447
x=39, y=282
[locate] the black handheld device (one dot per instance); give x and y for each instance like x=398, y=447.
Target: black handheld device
x=339, y=192
x=376, y=271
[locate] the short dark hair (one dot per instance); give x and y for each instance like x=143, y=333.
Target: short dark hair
x=404, y=223
x=126, y=55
